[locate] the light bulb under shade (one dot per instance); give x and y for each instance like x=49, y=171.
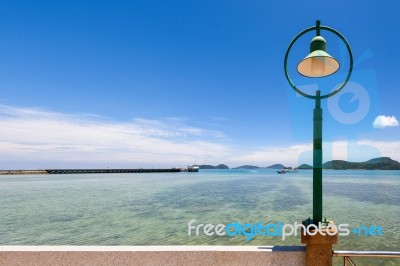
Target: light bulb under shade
x=327, y=65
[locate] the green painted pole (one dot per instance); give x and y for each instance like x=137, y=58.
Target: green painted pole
x=317, y=161
x=317, y=144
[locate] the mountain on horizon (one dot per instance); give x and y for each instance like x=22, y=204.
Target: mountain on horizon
x=276, y=166
x=380, y=163
x=246, y=167
x=206, y=166
x=304, y=166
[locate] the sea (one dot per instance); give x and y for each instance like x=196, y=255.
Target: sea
x=156, y=208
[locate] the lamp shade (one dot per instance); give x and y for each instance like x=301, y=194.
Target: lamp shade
x=318, y=63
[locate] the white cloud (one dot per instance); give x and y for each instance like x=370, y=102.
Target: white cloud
x=32, y=135
x=295, y=155
x=272, y=155
x=38, y=138
x=387, y=148
x=382, y=121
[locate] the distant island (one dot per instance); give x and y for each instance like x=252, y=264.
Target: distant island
x=206, y=166
x=274, y=166
x=277, y=166
x=247, y=167
x=381, y=163
x=305, y=166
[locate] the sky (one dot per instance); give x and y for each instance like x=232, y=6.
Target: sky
x=174, y=83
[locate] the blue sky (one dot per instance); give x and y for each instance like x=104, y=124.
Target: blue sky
x=171, y=83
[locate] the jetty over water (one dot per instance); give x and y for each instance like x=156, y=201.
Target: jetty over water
x=110, y=171
x=97, y=171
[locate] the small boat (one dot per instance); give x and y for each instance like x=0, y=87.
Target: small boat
x=193, y=169
x=287, y=170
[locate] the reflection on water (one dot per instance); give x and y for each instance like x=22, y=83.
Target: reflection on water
x=154, y=209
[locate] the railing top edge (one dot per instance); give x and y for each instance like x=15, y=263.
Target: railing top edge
x=366, y=253
x=156, y=248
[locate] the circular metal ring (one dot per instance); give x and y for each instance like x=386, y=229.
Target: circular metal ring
x=348, y=74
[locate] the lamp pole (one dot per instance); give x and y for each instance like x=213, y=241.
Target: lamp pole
x=317, y=160
x=316, y=65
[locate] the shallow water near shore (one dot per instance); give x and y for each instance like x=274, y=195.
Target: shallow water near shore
x=155, y=208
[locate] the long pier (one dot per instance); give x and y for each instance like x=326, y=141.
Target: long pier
x=97, y=171
x=110, y=171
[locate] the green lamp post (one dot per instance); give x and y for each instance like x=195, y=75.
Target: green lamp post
x=318, y=64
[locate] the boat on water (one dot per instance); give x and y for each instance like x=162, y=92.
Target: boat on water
x=284, y=171
x=193, y=168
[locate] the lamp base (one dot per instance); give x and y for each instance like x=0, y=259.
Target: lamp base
x=319, y=241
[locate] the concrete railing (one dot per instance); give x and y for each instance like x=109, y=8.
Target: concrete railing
x=152, y=255
x=347, y=255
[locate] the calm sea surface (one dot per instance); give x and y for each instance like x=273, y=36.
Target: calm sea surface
x=155, y=208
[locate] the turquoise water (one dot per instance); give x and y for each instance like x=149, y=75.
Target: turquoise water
x=155, y=208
